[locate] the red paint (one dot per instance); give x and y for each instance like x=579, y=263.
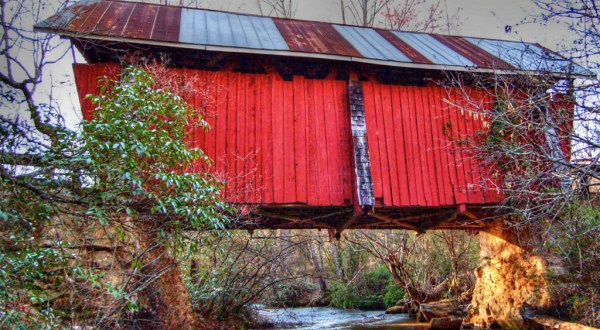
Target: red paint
x=419, y=150
x=86, y=79
x=280, y=142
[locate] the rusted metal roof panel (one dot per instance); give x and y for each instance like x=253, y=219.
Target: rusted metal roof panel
x=89, y=18
x=114, y=22
x=225, y=29
x=431, y=48
x=370, y=43
x=405, y=48
x=314, y=37
x=526, y=56
x=480, y=57
x=141, y=17
x=167, y=24
x=200, y=28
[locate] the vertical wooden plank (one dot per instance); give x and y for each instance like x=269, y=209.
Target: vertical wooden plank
x=372, y=135
x=83, y=80
x=342, y=118
x=195, y=136
x=258, y=134
x=431, y=180
x=470, y=101
x=494, y=181
x=463, y=118
x=240, y=149
x=400, y=146
x=221, y=105
x=441, y=161
x=487, y=185
x=406, y=110
x=467, y=132
x=447, y=144
x=392, y=149
x=300, y=163
x=420, y=149
x=478, y=130
x=86, y=80
x=268, y=106
x=208, y=139
x=289, y=169
x=278, y=140
x=346, y=156
x=456, y=134
x=231, y=148
x=250, y=141
x=312, y=144
x=415, y=121
x=332, y=137
x=321, y=118
x=383, y=148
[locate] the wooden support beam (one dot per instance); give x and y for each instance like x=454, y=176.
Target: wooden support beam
x=362, y=160
x=398, y=222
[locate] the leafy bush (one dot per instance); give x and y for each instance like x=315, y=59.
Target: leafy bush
x=393, y=293
x=374, y=289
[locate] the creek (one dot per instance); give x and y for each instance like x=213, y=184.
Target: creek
x=332, y=318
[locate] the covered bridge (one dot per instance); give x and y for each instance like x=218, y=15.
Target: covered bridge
x=319, y=125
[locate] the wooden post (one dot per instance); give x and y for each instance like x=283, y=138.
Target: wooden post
x=362, y=159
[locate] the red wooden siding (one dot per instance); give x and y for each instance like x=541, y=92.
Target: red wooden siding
x=271, y=141
x=86, y=79
x=289, y=142
x=419, y=139
x=279, y=142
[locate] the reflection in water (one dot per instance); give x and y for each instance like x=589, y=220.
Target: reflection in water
x=333, y=318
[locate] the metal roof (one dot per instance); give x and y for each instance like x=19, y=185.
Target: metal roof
x=371, y=44
x=222, y=31
x=527, y=56
x=433, y=49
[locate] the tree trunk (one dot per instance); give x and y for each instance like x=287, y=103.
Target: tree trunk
x=317, y=267
x=336, y=261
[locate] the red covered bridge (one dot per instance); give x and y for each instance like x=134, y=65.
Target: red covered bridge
x=318, y=125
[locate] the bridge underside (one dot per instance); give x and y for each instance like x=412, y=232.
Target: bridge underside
x=340, y=218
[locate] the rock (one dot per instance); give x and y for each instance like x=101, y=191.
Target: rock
x=445, y=323
x=403, y=307
x=533, y=320
x=398, y=310
x=508, y=277
x=439, y=309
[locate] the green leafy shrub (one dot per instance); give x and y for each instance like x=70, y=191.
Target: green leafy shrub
x=366, y=291
x=393, y=293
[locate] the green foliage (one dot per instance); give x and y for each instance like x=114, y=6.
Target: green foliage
x=393, y=293
x=122, y=181
x=137, y=155
x=374, y=289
